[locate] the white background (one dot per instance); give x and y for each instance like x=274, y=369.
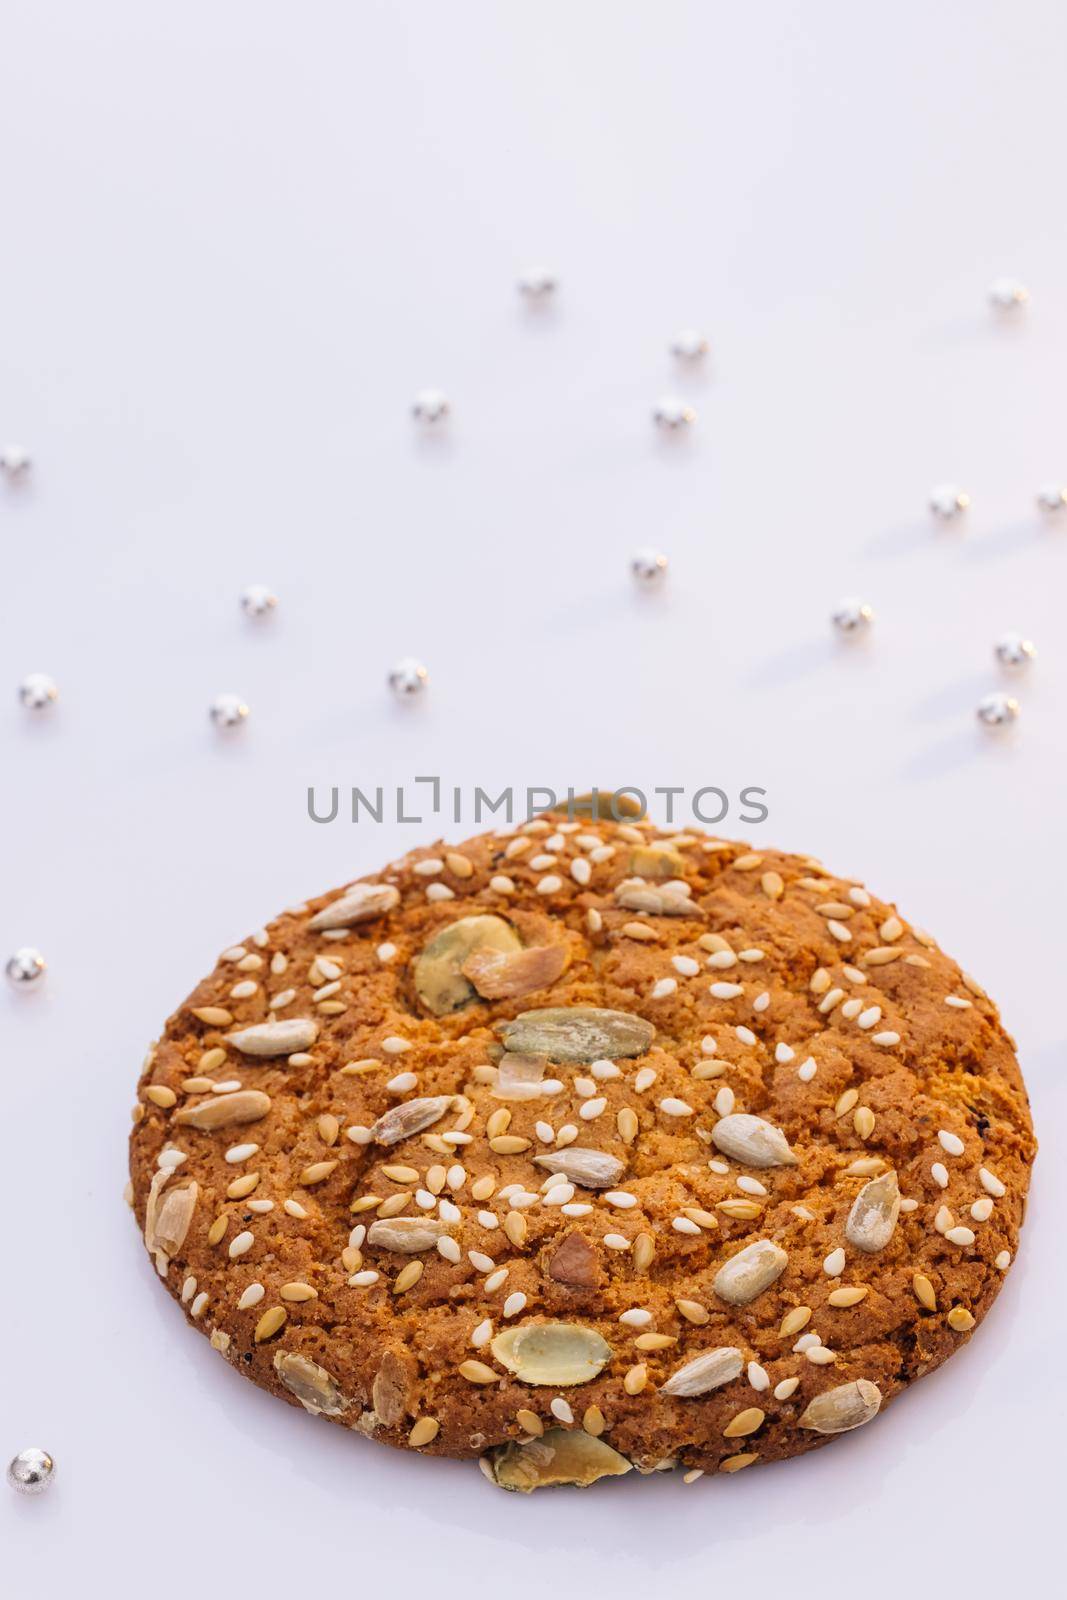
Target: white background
x=236, y=239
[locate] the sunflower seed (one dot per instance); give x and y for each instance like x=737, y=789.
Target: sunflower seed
x=225, y=1110
x=407, y=1235
x=749, y=1272
x=280, y=1038
x=359, y=903
x=752, y=1141
x=592, y=1169
x=408, y=1118
x=848, y=1406
x=706, y=1371
x=874, y=1213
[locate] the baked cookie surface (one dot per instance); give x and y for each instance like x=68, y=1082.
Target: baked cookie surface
x=582, y=1146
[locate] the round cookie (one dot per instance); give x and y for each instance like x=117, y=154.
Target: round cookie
x=585, y=1146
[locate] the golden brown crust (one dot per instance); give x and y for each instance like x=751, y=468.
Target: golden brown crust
x=812, y=957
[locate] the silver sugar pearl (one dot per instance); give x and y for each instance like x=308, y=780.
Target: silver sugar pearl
x=648, y=566
x=257, y=600
x=537, y=283
x=227, y=710
x=1007, y=294
x=1052, y=497
x=673, y=413
x=689, y=345
x=37, y=691
x=998, y=709
x=430, y=405
x=948, y=501
x=1012, y=650
x=852, y=615
x=408, y=677
x=26, y=966
x=31, y=1471
x=15, y=460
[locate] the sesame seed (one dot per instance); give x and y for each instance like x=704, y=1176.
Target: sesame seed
x=644, y=1079
x=724, y=1101
x=784, y=1053
x=620, y=1198
x=834, y=1264
x=592, y=1108
x=673, y=1107
x=885, y=1040
x=684, y=1225
x=514, y=1304
x=685, y=965
x=961, y=1236
x=960, y=1320
x=726, y=991
x=991, y=1183
x=561, y=1410
x=722, y=959
x=758, y=1376
x=958, y=1002
x=951, y=1143
x=788, y=1386
x=240, y=1152
x=616, y=1241
x=939, y=1173
x=807, y=1070
x=745, y=1035
x=1002, y=1261
x=495, y=1280
x=868, y=1018
x=241, y=1244
x=637, y=1317
x=982, y=1209
x=402, y=1083
x=761, y=1002
x=363, y=1280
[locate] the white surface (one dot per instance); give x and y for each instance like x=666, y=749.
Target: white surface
x=237, y=239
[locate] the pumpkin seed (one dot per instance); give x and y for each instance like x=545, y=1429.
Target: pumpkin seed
x=592, y=1169
x=559, y=1456
x=874, y=1214
x=848, y=1406
x=224, y=1110
x=746, y=1275
x=752, y=1141
x=359, y=903
x=706, y=1371
x=604, y=805
x=554, y=1353
x=656, y=861
x=577, y=1033
x=439, y=981
x=311, y=1384
x=280, y=1038
x=408, y=1118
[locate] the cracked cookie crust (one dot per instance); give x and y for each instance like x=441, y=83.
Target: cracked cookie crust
x=586, y=1146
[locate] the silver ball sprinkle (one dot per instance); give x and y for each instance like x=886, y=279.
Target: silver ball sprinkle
x=37, y=691
x=31, y=1471
x=227, y=710
x=538, y=284
x=27, y=966
x=648, y=566
x=1052, y=497
x=257, y=600
x=407, y=677
x=689, y=344
x=15, y=461
x=997, y=710
x=430, y=406
x=672, y=413
x=948, y=501
x=852, y=615
x=1007, y=294
x=1012, y=650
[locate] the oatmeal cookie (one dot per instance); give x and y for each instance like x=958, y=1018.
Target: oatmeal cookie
x=585, y=1146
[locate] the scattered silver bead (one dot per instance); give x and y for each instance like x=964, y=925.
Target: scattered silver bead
x=1012, y=650
x=26, y=966
x=537, y=283
x=1052, y=497
x=408, y=677
x=31, y=1471
x=852, y=615
x=649, y=566
x=948, y=501
x=15, y=461
x=670, y=412
x=257, y=600
x=227, y=710
x=430, y=406
x=37, y=691
x=998, y=709
x=689, y=345
x=1007, y=294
